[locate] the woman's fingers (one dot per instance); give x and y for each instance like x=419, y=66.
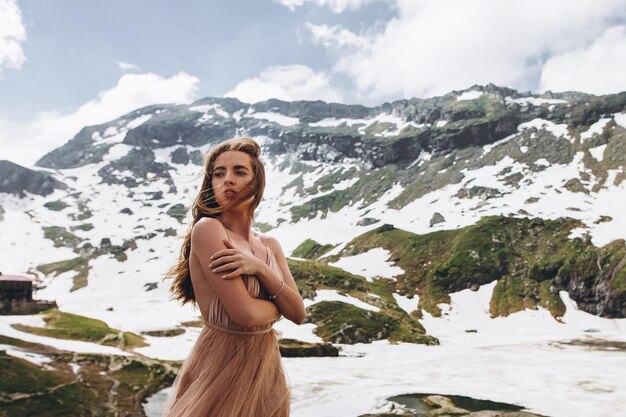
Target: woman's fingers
x=223, y=260
x=232, y=274
x=226, y=267
x=223, y=252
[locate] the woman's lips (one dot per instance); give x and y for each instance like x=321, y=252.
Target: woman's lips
x=229, y=194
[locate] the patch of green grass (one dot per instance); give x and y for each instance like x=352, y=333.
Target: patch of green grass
x=529, y=258
x=177, y=211
x=340, y=322
x=138, y=377
x=19, y=375
x=79, y=264
x=64, y=325
x=61, y=237
x=369, y=187
x=439, y=171
x=481, y=110
x=56, y=205
x=85, y=227
x=512, y=294
x=165, y=332
x=376, y=129
x=59, y=392
x=170, y=231
x=310, y=249
x=73, y=399
x=83, y=211
x=328, y=182
x=312, y=275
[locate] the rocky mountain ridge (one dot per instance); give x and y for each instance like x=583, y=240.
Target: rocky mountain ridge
x=418, y=165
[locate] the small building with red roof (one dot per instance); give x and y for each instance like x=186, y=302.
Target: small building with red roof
x=16, y=296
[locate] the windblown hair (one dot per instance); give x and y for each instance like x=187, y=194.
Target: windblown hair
x=205, y=205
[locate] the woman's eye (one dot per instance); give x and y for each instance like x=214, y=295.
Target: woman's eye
x=219, y=174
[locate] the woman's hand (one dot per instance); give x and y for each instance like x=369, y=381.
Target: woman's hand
x=233, y=259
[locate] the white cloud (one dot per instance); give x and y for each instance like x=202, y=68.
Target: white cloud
x=597, y=69
x=12, y=34
x=49, y=130
x=432, y=47
x=127, y=66
x=336, y=6
x=336, y=37
x=286, y=82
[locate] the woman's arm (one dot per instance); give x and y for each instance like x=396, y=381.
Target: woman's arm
x=289, y=300
x=207, y=238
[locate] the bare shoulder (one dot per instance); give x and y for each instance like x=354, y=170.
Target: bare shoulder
x=207, y=228
x=272, y=242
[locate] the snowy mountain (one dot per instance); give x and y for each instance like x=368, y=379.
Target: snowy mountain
x=467, y=219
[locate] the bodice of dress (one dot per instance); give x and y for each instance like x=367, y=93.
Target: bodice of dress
x=216, y=312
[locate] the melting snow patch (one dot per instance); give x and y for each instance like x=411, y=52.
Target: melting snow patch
x=423, y=157
x=594, y=129
x=205, y=108
x=333, y=295
x=405, y=303
x=170, y=348
x=557, y=130
x=138, y=121
x=32, y=357
x=489, y=147
x=303, y=332
x=577, y=232
x=598, y=152
x=117, y=151
x=620, y=119
x=276, y=118
x=470, y=95
x=332, y=122
x=111, y=135
x=369, y=264
x=533, y=100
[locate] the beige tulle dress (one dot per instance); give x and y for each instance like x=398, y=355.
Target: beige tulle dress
x=232, y=371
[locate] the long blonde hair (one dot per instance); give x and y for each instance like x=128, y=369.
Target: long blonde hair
x=205, y=205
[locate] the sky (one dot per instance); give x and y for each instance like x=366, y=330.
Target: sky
x=67, y=64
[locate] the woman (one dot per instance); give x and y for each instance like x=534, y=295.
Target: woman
x=242, y=285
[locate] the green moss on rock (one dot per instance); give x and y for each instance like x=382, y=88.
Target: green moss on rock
x=56, y=205
x=310, y=249
x=61, y=237
x=20, y=375
x=85, y=227
x=291, y=348
x=532, y=258
x=312, y=275
x=79, y=264
x=339, y=322
x=177, y=211
x=64, y=325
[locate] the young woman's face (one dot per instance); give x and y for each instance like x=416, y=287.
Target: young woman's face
x=231, y=174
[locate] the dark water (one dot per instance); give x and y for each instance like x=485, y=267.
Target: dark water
x=413, y=401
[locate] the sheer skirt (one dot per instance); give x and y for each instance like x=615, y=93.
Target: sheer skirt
x=230, y=373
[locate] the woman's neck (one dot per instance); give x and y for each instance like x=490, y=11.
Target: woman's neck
x=238, y=223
